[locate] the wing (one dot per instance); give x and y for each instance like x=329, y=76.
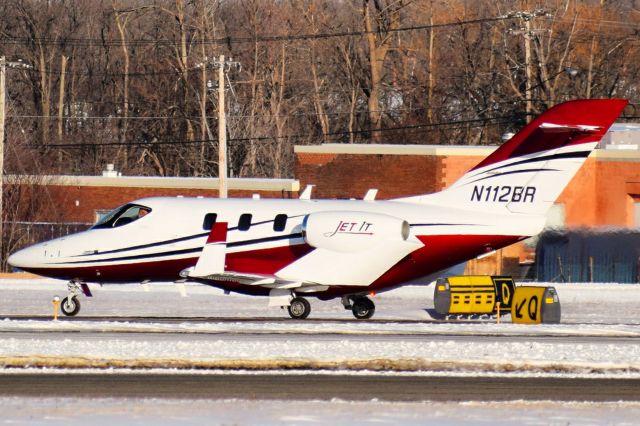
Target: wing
x=359, y=268
x=314, y=272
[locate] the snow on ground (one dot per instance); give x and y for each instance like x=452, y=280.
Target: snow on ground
x=600, y=330
x=109, y=411
x=598, y=337
x=583, y=303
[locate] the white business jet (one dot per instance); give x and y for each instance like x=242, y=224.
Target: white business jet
x=348, y=249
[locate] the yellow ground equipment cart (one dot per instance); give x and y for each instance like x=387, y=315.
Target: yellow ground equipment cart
x=535, y=305
x=473, y=294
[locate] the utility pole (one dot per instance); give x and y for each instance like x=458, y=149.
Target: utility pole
x=528, y=70
x=3, y=70
x=528, y=34
x=223, y=66
x=222, y=133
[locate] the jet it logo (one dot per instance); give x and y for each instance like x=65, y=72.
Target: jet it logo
x=358, y=228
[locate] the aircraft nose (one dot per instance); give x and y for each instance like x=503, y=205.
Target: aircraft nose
x=24, y=258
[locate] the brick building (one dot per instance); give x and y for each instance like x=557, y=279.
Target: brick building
x=604, y=193
x=81, y=199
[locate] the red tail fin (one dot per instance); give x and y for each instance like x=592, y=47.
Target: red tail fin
x=569, y=123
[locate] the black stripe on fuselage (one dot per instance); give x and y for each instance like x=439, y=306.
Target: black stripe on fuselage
x=186, y=251
x=142, y=246
x=135, y=257
x=514, y=172
x=563, y=155
x=265, y=240
x=175, y=240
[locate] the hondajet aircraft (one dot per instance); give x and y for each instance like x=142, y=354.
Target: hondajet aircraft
x=292, y=249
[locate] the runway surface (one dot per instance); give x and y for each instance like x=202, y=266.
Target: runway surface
x=320, y=387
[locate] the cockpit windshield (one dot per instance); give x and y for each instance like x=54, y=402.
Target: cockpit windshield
x=122, y=216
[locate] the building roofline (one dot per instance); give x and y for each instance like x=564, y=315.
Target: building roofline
x=388, y=149
x=237, y=184
x=607, y=154
x=632, y=155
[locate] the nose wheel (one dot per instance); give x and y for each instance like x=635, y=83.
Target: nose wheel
x=70, y=306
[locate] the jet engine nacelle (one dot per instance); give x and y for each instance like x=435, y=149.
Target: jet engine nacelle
x=350, y=231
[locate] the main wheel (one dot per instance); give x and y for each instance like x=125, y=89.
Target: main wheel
x=299, y=308
x=363, y=308
x=70, y=306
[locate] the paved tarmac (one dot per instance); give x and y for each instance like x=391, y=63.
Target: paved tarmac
x=318, y=387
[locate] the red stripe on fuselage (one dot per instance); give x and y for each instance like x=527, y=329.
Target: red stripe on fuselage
x=264, y=261
x=439, y=252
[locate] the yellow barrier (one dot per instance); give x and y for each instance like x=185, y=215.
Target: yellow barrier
x=535, y=305
x=472, y=294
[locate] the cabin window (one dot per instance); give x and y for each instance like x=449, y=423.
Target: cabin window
x=209, y=221
x=122, y=216
x=245, y=222
x=280, y=222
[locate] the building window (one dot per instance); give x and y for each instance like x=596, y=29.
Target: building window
x=209, y=221
x=245, y=222
x=280, y=222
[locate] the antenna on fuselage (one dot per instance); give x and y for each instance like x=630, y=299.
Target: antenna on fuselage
x=370, y=195
x=306, y=194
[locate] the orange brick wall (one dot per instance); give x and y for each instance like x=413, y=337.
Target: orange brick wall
x=602, y=193
x=351, y=175
x=456, y=166
x=92, y=198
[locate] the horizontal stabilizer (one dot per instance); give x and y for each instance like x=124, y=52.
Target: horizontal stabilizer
x=560, y=128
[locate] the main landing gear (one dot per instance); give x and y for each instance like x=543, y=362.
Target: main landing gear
x=70, y=305
x=362, y=307
x=299, y=308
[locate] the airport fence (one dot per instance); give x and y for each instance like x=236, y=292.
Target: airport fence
x=17, y=235
x=610, y=256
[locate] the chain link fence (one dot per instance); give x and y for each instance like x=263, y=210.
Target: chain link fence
x=17, y=235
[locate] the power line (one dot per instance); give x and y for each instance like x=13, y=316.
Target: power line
x=417, y=128
x=90, y=42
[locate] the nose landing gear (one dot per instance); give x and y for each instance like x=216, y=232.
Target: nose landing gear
x=70, y=305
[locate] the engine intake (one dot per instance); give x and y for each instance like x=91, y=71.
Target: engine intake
x=350, y=231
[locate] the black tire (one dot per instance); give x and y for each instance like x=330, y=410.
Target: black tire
x=299, y=308
x=363, y=308
x=70, y=306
